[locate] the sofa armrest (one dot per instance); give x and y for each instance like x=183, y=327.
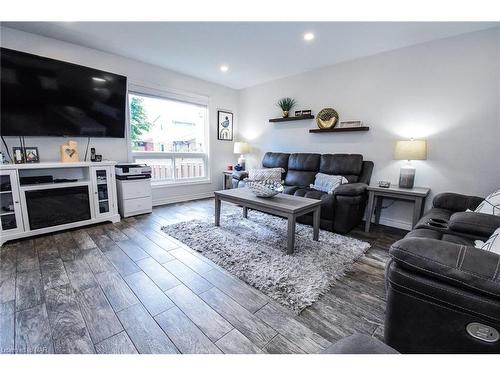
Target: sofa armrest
x=456, y=202
x=357, y=188
x=459, y=265
x=474, y=223
x=240, y=175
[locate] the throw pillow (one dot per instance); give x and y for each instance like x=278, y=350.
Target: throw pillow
x=493, y=243
x=327, y=183
x=273, y=174
x=490, y=205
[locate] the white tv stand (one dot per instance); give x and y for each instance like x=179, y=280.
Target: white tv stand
x=96, y=179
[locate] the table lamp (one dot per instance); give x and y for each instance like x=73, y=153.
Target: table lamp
x=241, y=148
x=409, y=150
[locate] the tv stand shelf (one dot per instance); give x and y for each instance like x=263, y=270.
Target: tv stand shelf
x=53, y=185
x=57, y=164
x=34, y=209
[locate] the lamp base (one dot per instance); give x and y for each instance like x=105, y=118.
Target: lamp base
x=407, y=177
x=241, y=162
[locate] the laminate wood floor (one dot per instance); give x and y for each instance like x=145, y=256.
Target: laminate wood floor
x=129, y=288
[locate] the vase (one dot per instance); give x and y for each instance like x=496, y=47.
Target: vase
x=285, y=114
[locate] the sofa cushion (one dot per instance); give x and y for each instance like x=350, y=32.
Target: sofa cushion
x=459, y=265
x=437, y=235
x=351, y=190
x=456, y=202
x=457, y=240
x=473, y=223
x=304, y=162
x=327, y=200
x=290, y=189
x=275, y=160
x=424, y=233
x=349, y=166
x=302, y=169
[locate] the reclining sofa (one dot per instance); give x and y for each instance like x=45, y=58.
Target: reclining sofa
x=443, y=294
x=340, y=211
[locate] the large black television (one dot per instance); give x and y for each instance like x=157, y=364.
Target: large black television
x=46, y=97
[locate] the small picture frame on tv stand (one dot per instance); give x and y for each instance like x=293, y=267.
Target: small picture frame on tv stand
x=18, y=155
x=31, y=155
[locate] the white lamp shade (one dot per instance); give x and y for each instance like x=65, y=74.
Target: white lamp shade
x=241, y=148
x=411, y=150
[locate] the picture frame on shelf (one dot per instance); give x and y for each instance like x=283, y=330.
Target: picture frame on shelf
x=303, y=112
x=31, y=155
x=224, y=126
x=18, y=155
x=350, y=124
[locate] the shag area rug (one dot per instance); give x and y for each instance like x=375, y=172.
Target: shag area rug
x=254, y=250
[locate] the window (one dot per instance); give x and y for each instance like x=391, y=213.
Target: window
x=170, y=136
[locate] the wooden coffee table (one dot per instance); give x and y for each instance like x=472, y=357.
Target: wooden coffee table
x=283, y=205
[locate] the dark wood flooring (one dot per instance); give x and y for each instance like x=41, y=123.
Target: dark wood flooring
x=129, y=288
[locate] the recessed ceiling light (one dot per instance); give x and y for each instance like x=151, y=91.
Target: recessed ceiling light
x=224, y=68
x=308, y=36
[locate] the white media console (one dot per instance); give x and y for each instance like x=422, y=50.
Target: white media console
x=28, y=208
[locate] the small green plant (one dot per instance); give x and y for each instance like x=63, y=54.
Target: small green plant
x=286, y=104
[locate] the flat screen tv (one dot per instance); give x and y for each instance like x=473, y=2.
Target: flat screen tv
x=45, y=97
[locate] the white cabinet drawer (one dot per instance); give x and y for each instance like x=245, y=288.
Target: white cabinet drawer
x=137, y=204
x=136, y=189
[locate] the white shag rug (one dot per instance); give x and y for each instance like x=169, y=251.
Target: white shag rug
x=254, y=250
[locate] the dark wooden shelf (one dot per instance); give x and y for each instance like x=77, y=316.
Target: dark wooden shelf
x=334, y=130
x=294, y=118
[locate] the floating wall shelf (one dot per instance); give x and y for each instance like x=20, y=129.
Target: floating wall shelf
x=335, y=130
x=294, y=118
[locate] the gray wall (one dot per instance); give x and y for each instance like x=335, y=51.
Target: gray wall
x=138, y=73
x=446, y=91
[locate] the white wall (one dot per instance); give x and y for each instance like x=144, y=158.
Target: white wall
x=445, y=91
x=220, y=97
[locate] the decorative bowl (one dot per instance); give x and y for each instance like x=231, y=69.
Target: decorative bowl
x=264, y=188
x=327, y=118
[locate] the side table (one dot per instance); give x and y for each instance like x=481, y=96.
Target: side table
x=227, y=180
x=376, y=195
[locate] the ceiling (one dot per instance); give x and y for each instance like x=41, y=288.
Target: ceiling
x=255, y=52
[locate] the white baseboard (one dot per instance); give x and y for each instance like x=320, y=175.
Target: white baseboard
x=395, y=223
x=182, y=198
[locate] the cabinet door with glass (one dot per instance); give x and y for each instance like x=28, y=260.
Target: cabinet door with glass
x=103, y=191
x=10, y=207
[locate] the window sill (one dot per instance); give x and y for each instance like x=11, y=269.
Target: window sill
x=168, y=184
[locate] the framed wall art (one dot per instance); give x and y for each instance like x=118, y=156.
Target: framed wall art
x=224, y=126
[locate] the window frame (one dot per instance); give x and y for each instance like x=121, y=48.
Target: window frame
x=184, y=97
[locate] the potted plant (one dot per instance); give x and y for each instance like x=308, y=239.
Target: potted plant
x=286, y=104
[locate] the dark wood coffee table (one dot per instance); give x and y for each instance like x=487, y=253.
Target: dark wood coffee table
x=283, y=205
